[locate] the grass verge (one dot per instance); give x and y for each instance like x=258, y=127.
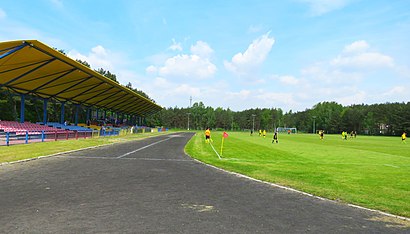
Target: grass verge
x=372, y=172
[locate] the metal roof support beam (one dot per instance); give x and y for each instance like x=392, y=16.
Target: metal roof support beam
x=108, y=97
x=51, y=81
x=68, y=82
x=40, y=77
x=27, y=65
x=98, y=94
x=62, y=60
x=86, y=91
x=13, y=50
x=90, y=92
x=26, y=73
x=101, y=95
x=72, y=86
x=138, y=104
x=112, y=103
x=128, y=109
x=121, y=106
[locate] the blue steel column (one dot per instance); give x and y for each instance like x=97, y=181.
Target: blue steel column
x=22, y=107
x=77, y=107
x=62, y=112
x=45, y=111
x=87, y=114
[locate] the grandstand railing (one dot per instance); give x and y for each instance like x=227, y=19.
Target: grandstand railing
x=23, y=133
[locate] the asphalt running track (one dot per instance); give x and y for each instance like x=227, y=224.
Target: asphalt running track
x=151, y=186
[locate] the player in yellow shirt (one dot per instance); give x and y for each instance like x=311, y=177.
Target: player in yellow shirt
x=207, y=135
x=403, y=137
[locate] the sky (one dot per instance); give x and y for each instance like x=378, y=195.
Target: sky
x=237, y=54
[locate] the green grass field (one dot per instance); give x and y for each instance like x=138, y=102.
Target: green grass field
x=373, y=172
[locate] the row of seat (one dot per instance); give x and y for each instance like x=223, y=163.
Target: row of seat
x=21, y=128
x=69, y=127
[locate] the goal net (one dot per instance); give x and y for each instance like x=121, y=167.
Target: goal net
x=287, y=130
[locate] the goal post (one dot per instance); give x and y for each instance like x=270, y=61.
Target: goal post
x=287, y=130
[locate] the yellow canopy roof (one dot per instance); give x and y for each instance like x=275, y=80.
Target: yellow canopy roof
x=31, y=67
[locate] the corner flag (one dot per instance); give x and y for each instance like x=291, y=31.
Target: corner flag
x=224, y=135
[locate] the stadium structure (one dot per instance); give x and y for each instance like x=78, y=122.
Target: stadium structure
x=31, y=68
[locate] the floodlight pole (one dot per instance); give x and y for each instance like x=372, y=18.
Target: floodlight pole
x=314, y=124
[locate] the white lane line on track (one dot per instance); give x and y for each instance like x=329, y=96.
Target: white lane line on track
x=121, y=156
x=111, y=158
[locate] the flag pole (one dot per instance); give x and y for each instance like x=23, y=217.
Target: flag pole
x=222, y=145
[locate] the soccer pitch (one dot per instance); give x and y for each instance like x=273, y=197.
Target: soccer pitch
x=369, y=171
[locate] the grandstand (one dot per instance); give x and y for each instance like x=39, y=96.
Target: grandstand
x=31, y=68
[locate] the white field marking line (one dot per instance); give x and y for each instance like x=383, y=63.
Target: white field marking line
x=289, y=161
x=303, y=193
x=215, y=150
x=121, y=156
x=115, y=158
x=390, y=165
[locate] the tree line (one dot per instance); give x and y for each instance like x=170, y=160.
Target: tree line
x=331, y=117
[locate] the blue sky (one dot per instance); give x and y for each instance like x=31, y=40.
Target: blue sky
x=239, y=54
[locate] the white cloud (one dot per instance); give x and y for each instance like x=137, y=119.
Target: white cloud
x=323, y=74
x=241, y=95
x=186, y=90
x=288, y=80
x=192, y=66
x=395, y=91
x=252, y=58
x=353, y=97
x=116, y=63
x=188, y=66
x=363, y=60
x=3, y=14
x=357, y=47
x=276, y=98
x=202, y=49
x=99, y=57
x=349, y=67
x=320, y=7
x=151, y=70
x=176, y=46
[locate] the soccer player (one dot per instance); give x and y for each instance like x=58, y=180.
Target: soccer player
x=264, y=133
x=403, y=137
x=275, y=137
x=207, y=135
x=321, y=133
